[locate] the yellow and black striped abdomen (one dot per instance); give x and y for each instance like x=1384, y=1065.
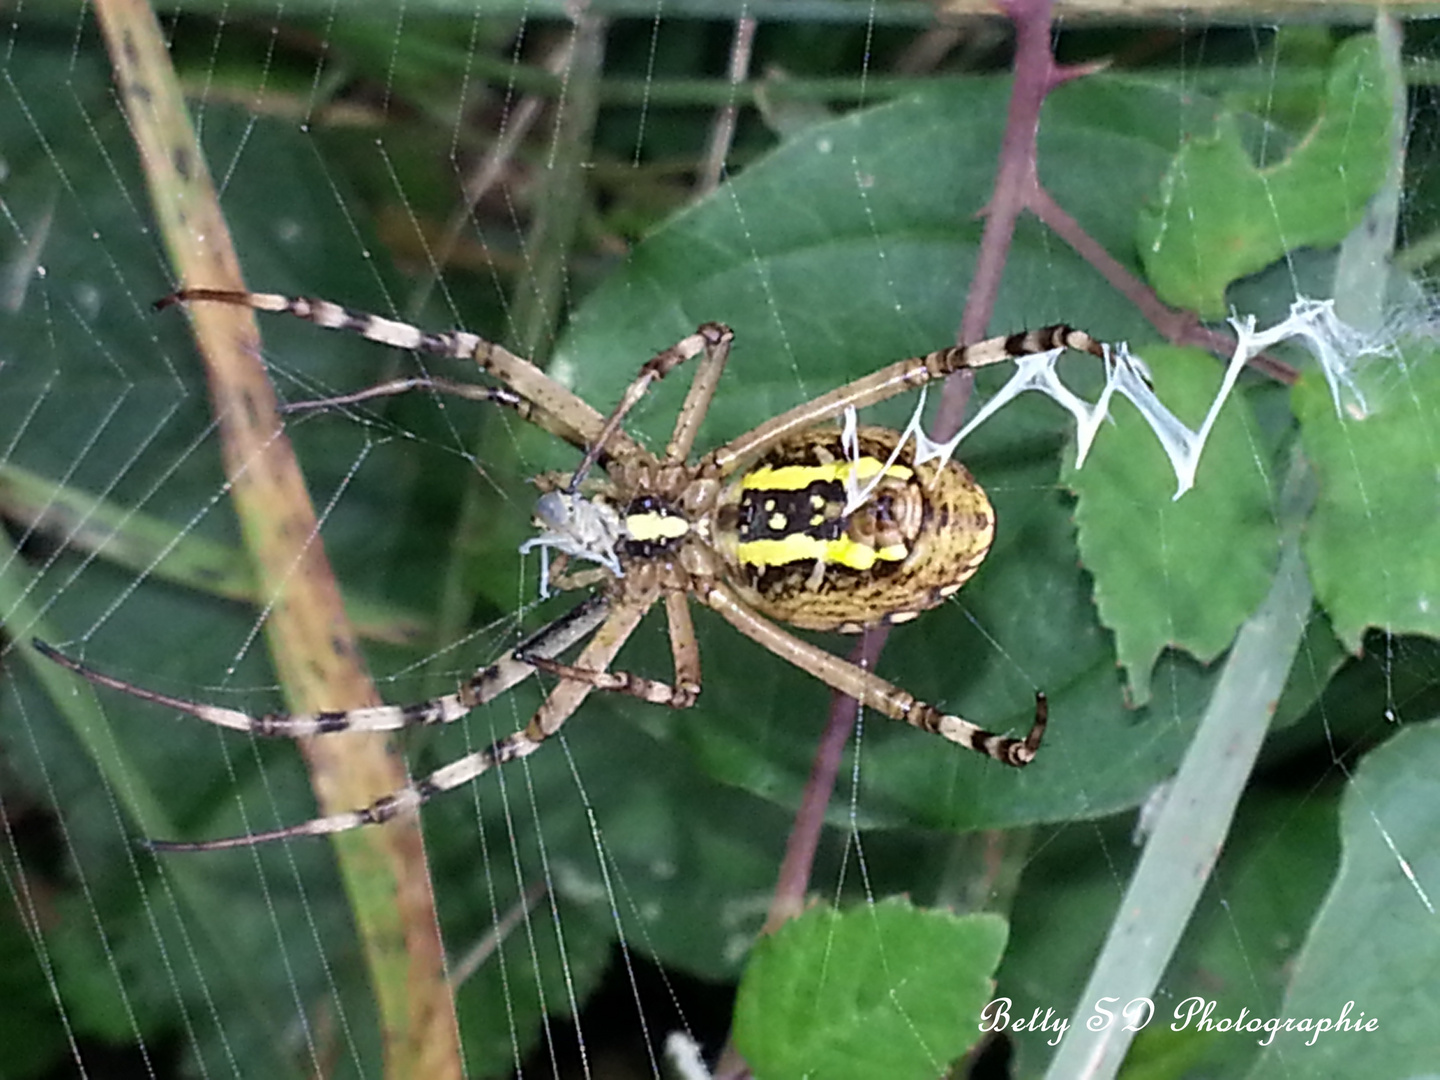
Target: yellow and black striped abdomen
x=795, y=555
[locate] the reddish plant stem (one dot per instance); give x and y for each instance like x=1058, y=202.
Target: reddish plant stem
x=1180, y=327
x=794, y=880
x=1015, y=174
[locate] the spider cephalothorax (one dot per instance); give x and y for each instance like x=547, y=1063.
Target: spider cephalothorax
x=795, y=521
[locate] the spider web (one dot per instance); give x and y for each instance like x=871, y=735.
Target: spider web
x=599, y=901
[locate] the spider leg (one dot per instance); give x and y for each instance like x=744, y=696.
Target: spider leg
x=485, y=685
x=684, y=649
x=618, y=682
x=895, y=379
x=406, y=800
x=556, y=409
x=616, y=628
x=698, y=398
x=395, y=387
x=598, y=655
x=870, y=690
x=679, y=695
x=499, y=395
x=712, y=340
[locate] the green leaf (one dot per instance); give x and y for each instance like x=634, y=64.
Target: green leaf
x=1372, y=541
x=1374, y=941
x=1182, y=573
x=1219, y=216
x=884, y=990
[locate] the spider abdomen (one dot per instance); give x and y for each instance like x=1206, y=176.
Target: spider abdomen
x=796, y=553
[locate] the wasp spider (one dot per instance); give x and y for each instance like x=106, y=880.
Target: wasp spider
x=765, y=529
